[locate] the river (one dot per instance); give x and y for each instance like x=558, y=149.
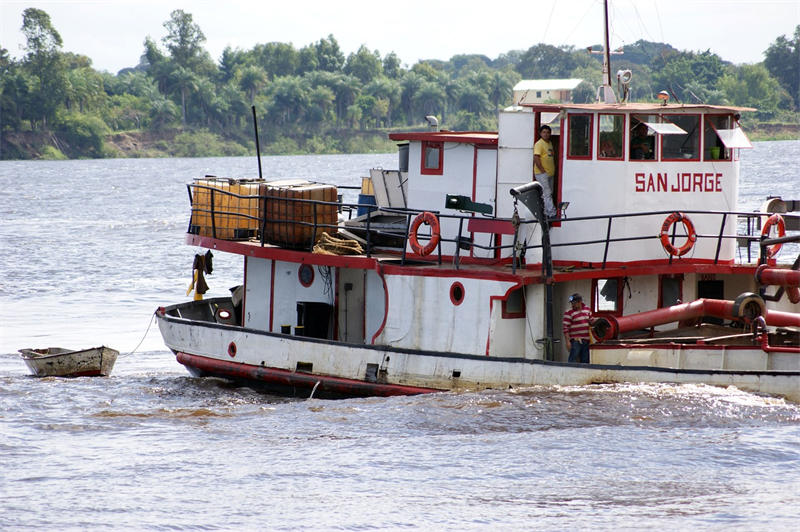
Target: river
x=90, y=248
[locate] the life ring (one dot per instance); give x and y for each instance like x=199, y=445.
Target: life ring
x=430, y=219
x=772, y=220
x=691, y=236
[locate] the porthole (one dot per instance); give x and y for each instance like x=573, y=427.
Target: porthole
x=457, y=293
x=305, y=274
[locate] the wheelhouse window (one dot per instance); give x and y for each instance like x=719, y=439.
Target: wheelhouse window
x=607, y=296
x=684, y=146
x=611, y=137
x=432, y=158
x=643, y=140
x=580, y=136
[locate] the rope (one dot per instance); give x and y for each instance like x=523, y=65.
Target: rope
x=143, y=337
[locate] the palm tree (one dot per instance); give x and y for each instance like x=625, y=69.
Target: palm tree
x=185, y=81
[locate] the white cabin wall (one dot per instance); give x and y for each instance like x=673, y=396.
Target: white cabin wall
x=514, y=157
x=288, y=291
x=258, y=274
x=535, y=321
x=375, y=302
x=434, y=322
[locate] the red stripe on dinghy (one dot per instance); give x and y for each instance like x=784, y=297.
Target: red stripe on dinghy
x=282, y=377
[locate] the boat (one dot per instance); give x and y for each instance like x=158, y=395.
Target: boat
x=454, y=278
x=61, y=362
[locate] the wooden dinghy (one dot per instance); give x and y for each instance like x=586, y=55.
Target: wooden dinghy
x=60, y=362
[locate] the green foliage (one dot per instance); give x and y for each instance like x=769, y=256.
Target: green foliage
x=84, y=134
x=315, y=100
x=51, y=153
x=782, y=59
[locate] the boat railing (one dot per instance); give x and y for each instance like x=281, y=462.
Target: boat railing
x=313, y=224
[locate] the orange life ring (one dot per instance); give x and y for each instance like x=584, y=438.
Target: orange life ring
x=430, y=219
x=691, y=236
x=772, y=220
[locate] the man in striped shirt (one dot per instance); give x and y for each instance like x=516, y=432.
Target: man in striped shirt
x=576, y=329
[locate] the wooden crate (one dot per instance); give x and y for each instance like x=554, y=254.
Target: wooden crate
x=235, y=218
x=291, y=223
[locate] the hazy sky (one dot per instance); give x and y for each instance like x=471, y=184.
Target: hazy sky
x=112, y=33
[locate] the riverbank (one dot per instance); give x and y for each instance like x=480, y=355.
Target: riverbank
x=27, y=145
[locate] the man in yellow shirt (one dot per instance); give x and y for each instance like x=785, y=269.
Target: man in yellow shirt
x=544, y=168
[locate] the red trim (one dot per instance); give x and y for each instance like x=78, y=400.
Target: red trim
x=588, y=155
x=424, y=170
x=464, y=137
x=453, y=298
x=668, y=345
x=293, y=379
x=244, y=295
x=271, y=294
x=380, y=272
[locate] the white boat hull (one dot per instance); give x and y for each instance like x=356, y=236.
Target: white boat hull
x=300, y=366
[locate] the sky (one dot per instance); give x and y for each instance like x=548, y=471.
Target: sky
x=112, y=32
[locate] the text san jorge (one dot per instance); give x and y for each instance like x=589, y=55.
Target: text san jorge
x=678, y=182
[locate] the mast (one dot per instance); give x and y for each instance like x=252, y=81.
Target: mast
x=605, y=93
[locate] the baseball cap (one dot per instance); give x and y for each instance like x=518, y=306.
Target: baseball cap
x=575, y=297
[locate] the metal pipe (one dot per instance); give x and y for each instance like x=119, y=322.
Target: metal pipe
x=777, y=276
x=747, y=306
x=777, y=318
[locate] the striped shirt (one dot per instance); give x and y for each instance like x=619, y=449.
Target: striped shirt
x=576, y=323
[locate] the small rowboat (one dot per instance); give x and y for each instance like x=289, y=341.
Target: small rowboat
x=60, y=362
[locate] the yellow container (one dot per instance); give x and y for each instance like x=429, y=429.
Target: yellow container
x=366, y=186
x=232, y=204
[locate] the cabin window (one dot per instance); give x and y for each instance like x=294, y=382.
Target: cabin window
x=514, y=305
x=611, y=137
x=670, y=290
x=580, y=136
x=607, y=296
x=685, y=146
x=713, y=148
x=456, y=293
x=432, y=158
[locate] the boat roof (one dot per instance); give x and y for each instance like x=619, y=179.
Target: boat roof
x=469, y=137
x=637, y=107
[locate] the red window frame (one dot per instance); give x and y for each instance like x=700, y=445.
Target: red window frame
x=588, y=155
x=621, y=156
x=669, y=118
x=424, y=170
x=508, y=314
x=617, y=311
x=678, y=277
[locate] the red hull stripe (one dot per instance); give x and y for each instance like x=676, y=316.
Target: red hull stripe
x=282, y=377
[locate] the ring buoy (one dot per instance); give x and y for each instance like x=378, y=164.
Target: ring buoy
x=691, y=236
x=430, y=219
x=773, y=220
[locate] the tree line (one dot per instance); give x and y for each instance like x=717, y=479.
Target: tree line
x=316, y=99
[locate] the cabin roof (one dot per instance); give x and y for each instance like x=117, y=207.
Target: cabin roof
x=634, y=107
x=466, y=137
x=547, y=84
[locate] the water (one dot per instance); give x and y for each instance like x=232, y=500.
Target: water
x=88, y=249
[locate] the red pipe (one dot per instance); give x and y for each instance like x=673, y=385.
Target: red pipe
x=746, y=306
x=776, y=318
x=788, y=279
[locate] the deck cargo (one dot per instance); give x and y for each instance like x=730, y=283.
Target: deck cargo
x=293, y=215
x=235, y=204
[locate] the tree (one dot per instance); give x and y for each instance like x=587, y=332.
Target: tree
x=391, y=65
x=364, y=65
x=44, y=62
x=186, y=82
x=251, y=80
x=184, y=39
x=782, y=59
x=329, y=56
x=752, y=86
x=277, y=59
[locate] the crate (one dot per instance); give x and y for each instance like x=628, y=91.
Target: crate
x=235, y=218
x=291, y=223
